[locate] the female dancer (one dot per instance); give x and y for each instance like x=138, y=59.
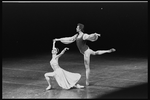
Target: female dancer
x=80, y=39
x=65, y=79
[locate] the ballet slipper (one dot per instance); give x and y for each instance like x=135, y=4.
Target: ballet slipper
x=49, y=87
x=87, y=83
x=79, y=86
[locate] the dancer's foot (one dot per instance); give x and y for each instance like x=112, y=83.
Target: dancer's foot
x=87, y=83
x=79, y=86
x=49, y=87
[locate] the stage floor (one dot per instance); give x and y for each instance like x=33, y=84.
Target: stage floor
x=23, y=77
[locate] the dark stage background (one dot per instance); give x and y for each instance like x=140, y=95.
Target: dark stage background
x=28, y=29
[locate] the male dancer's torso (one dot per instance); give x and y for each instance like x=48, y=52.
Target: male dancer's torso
x=81, y=44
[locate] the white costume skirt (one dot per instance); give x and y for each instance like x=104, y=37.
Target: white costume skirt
x=66, y=79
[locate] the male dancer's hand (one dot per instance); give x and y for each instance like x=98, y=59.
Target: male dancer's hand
x=98, y=34
x=112, y=50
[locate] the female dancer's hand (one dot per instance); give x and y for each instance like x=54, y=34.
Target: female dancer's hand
x=66, y=48
x=55, y=39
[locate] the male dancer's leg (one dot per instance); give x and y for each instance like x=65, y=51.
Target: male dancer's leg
x=99, y=52
x=87, y=54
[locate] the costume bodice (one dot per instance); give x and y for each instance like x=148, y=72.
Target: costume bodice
x=81, y=44
x=54, y=63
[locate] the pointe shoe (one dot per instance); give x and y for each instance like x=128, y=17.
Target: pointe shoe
x=49, y=87
x=79, y=86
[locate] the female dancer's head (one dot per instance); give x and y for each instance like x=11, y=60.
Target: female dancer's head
x=55, y=51
x=80, y=27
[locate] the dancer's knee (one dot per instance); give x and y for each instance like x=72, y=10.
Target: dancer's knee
x=88, y=69
x=97, y=52
x=86, y=60
x=86, y=63
x=46, y=75
x=93, y=52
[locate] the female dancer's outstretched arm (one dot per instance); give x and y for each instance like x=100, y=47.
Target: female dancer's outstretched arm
x=67, y=40
x=62, y=52
x=54, y=41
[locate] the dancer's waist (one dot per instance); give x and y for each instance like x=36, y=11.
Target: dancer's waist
x=55, y=66
x=83, y=49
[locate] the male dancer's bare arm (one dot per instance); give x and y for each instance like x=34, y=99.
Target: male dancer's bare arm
x=67, y=40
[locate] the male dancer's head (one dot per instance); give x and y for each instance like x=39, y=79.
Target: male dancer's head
x=80, y=27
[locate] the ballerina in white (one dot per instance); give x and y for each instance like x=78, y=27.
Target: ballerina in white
x=81, y=39
x=65, y=79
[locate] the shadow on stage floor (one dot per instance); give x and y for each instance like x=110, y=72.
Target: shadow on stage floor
x=133, y=92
